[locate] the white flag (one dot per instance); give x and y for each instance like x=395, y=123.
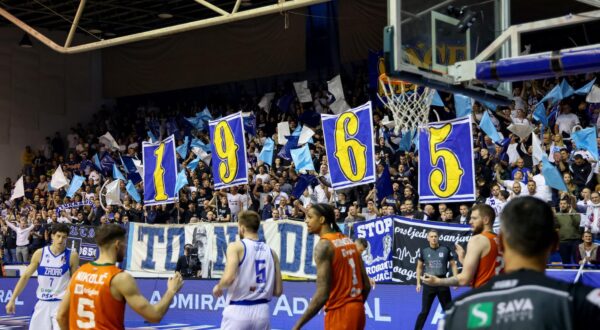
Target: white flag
x=302, y=91
x=265, y=102
x=113, y=193
x=19, y=190
x=58, y=179
x=594, y=95
x=305, y=135
x=521, y=130
x=339, y=106
x=335, y=87
x=538, y=153
x=283, y=130
x=109, y=141
x=204, y=156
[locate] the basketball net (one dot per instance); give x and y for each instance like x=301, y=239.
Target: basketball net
x=409, y=103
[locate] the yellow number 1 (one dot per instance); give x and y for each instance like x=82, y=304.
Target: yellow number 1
x=226, y=149
x=451, y=177
x=159, y=172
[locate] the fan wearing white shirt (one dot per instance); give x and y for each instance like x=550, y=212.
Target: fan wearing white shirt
x=566, y=121
x=22, y=238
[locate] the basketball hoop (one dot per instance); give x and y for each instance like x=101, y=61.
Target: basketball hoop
x=409, y=103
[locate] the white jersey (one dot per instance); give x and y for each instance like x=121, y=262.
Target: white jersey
x=255, y=279
x=54, y=274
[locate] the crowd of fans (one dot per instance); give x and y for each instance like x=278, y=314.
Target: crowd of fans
x=503, y=171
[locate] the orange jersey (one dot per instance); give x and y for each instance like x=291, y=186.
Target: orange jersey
x=346, y=277
x=92, y=305
x=491, y=264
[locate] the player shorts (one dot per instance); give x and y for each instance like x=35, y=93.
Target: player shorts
x=349, y=317
x=254, y=317
x=44, y=316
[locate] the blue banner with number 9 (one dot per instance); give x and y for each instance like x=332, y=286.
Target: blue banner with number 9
x=349, y=147
x=160, y=172
x=229, y=162
x=446, y=165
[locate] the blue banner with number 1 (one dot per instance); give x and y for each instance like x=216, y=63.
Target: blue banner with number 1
x=349, y=147
x=229, y=162
x=446, y=165
x=160, y=172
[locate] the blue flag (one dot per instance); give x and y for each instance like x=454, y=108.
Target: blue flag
x=249, y=123
x=463, y=105
x=117, y=174
x=285, y=102
x=436, y=99
x=229, y=156
x=97, y=162
x=586, y=89
x=130, y=169
x=266, y=154
x=384, y=184
x=182, y=150
x=197, y=143
x=488, y=127
x=553, y=177
x=152, y=136
x=205, y=115
x=160, y=171
x=554, y=95
x=302, y=159
x=76, y=183
x=292, y=143
x=565, y=89
x=132, y=191
x=540, y=114
x=406, y=141
x=106, y=163
x=182, y=180
x=304, y=180
x=193, y=164
x=586, y=139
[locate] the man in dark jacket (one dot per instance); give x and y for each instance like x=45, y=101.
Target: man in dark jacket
x=582, y=170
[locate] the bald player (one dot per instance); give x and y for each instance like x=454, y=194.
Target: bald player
x=482, y=260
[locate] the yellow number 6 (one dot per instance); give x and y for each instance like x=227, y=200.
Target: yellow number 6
x=226, y=149
x=350, y=153
x=453, y=173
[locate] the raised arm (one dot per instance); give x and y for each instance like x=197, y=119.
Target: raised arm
x=22, y=283
x=323, y=259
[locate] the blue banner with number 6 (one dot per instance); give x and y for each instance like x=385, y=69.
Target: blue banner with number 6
x=228, y=151
x=446, y=165
x=160, y=172
x=349, y=147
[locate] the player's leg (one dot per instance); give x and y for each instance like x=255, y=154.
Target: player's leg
x=444, y=296
x=349, y=317
x=53, y=310
x=41, y=318
x=428, y=295
x=255, y=317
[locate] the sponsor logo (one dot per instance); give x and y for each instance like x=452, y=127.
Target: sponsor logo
x=441, y=254
x=514, y=310
x=506, y=284
x=78, y=289
x=594, y=297
x=480, y=315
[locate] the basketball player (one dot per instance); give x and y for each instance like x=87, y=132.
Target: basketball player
x=99, y=290
x=483, y=259
x=54, y=265
x=342, y=282
x=252, y=277
x=523, y=297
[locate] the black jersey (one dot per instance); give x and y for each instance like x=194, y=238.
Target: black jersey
x=435, y=261
x=525, y=299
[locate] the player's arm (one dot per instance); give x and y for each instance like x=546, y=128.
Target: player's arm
x=74, y=262
x=232, y=264
x=471, y=261
x=62, y=314
x=278, y=280
x=419, y=273
x=126, y=286
x=22, y=283
x=365, y=279
x=323, y=259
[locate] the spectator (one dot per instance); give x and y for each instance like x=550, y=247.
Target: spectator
x=591, y=221
x=22, y=249
x=568, y=221
x=587, y=252
x=582, y=171
x=188, y=264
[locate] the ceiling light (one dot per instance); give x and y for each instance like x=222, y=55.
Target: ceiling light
x=25, y=41
x=95, y=31
x=165, y=15
x=109, y=34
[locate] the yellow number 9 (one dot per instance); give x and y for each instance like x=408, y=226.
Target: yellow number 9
x=350, y=153
x=452, y=176
x=226, y=150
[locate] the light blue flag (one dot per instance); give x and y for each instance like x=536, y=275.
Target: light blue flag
x=552, y=176
x=204, y=115
x=416, y=142
x=193, y=164
x=182, y=150
x=152, y=136
x=565, y=89
x=182, y=180
x=132, y=191
x=302, y=160
x=586, y=139
x=76, y=183
x=488, y=127
x=540, y=114
x=436, y=99
x=297, y=131
x=554, y=95
x=586, y=89
x=97, y=162
x=406, y=141
x=266, y=154
x=117, y=174
x=463, y=105
x=197, y=143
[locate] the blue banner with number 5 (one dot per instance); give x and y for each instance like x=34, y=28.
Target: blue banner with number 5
x=446, y=165
x=229, y=162
x=160, y=172
x=349, y=147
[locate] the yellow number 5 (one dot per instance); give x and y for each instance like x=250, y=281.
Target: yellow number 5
x=226, y=149
x=350, y=153
x=451, y=177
